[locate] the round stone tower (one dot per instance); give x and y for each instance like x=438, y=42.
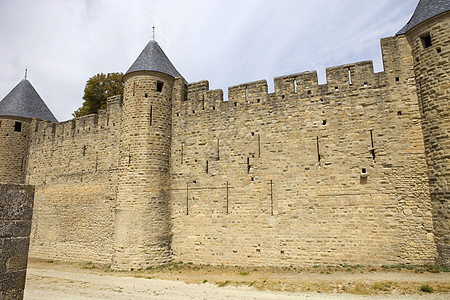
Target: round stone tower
x=142, y=223
x=17, y=110
x=428, y=33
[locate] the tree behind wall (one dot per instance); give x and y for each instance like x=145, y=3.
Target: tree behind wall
x=98, y=88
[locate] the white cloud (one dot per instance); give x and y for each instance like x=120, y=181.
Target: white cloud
x=64, y=42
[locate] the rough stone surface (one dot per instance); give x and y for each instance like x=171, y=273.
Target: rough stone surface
x=14, y=148
x=354, y=171
x=432, y=74
x=16, y=207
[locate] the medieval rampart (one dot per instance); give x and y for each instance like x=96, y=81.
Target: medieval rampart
x=74, y=166
x=309, y=174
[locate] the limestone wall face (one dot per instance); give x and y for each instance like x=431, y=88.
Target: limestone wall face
x=431, y=51
x=14, y=146
x=311, y=174
x=16, y=208
x=142, y=227
x=74, y=166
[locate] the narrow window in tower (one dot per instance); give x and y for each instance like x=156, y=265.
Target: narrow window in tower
x=159, y=86
x=0, y=123
x=349, y=77
x=246, y=94
x=151, y=115
x=318, y=149
x=259, y=146
x=186, y=91
x=295, y=86
x=84, y=150
x=218, y=149
x=134, y=87
x=426, y=40
x=207, y=167
x=372, y=151
x=182, y=152
x=18, y=126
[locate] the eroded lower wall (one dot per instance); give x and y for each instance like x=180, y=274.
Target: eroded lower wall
x=311, y=174
x=74, y=167
x=16, y=209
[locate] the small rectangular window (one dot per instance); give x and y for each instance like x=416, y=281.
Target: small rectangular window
x=18, y=126
x=426, y=40
x=159, y=86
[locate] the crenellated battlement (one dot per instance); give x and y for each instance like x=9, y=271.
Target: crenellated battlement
x=303, y=87
x=106, y=119
x=351, y=171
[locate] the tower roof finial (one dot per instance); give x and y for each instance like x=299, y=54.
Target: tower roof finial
x=153, y=37
x=26, y=72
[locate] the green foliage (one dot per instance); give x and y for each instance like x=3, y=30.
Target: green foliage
x=98, y=88
x=222, y=284
x=426, y=288
x=89, y=265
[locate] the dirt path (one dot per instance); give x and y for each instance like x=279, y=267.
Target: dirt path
x=72, y=281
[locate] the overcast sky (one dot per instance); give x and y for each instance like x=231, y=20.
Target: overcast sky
x=65, y=42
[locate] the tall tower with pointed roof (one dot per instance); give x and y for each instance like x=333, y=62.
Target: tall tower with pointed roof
x=17, y=110
x=428, y=34
x=142, y=229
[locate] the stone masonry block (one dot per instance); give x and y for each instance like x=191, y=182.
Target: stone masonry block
x=15, y=228
x=10, y=207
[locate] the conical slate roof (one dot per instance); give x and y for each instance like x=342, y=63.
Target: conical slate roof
x=24, y=101
x=153, y=58
x=426, y=9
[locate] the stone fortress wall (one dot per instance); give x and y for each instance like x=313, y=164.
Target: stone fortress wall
x=431, y=64
x=74, y=166
x=310, y=174
x=354, y=171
